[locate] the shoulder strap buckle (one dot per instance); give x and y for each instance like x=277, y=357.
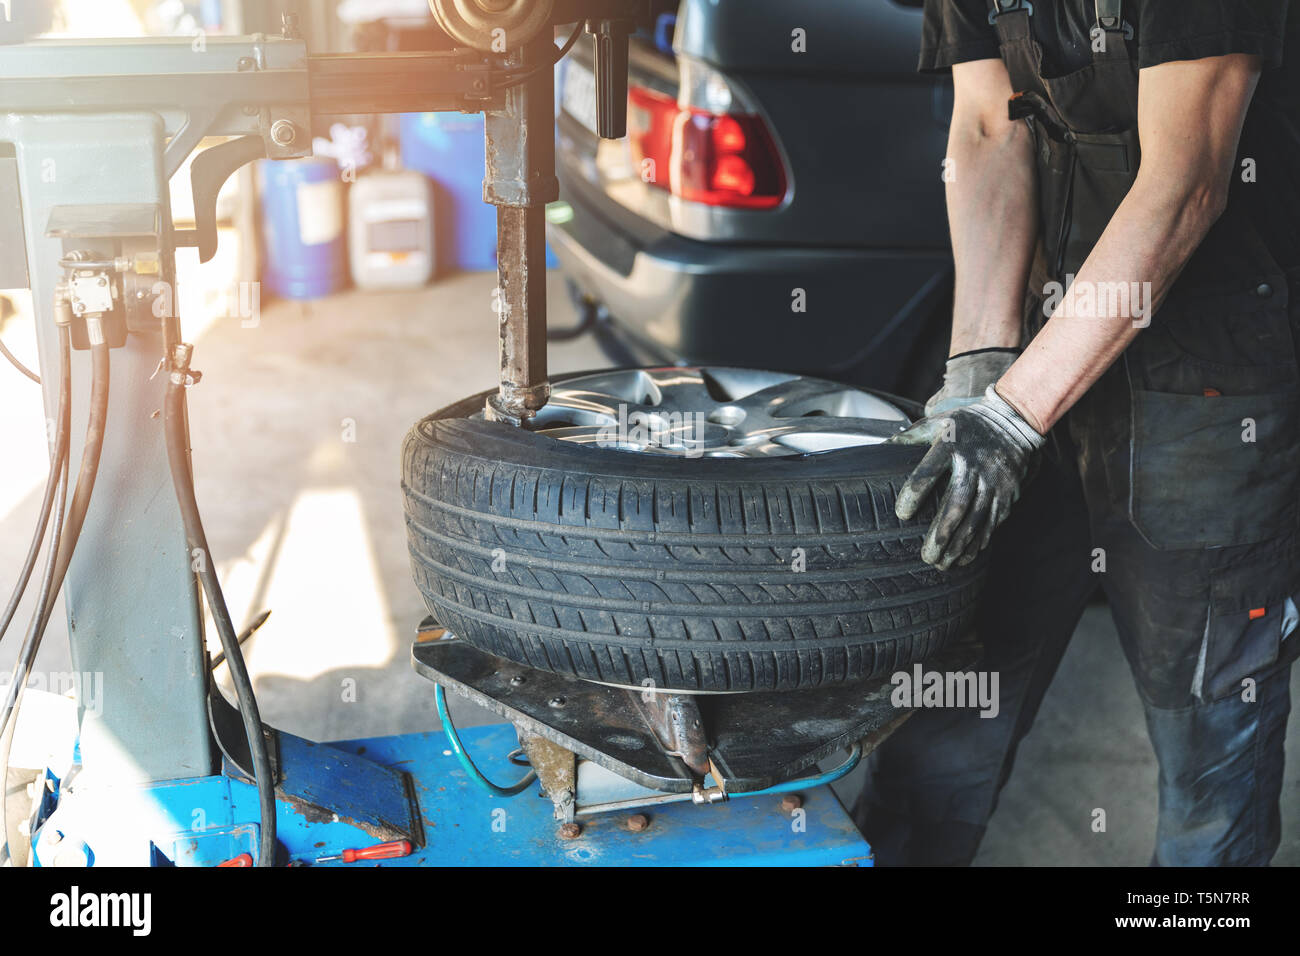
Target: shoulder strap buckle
x=1002, y=7
x=1110, y=18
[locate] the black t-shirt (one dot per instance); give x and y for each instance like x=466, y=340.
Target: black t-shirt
x=958, y=31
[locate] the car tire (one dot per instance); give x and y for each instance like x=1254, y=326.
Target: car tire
x=702, y=575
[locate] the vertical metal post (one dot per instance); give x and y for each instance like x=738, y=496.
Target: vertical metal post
x=520, y=182
x=133, y=612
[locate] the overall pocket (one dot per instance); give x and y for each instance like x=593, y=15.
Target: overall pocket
x=1252, y=611
x=1211, y=471
x=1105, y=167
x=1215, y=421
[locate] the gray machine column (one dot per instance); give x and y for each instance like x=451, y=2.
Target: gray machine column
x=133, y=612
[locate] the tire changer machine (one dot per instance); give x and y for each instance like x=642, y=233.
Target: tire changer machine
x=165, y=771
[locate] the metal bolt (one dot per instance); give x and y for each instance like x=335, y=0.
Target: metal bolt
x=557, y=701
x=101, y=282
x=570, y=831
x=245, y=63
x=638, y=822
x=517, y=680
x=791, y=802
x=283, y=133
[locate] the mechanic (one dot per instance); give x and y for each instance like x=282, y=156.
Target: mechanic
x=1155, y=455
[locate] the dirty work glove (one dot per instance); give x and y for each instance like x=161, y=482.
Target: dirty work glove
x=986, y=446
x=967, y=375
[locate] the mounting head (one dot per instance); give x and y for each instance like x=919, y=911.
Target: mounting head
x=493, y=26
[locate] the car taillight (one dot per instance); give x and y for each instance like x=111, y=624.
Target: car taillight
x=718, y=159
x=727, y=160
x=650, y=119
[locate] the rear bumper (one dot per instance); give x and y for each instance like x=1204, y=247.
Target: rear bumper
x=803, y=309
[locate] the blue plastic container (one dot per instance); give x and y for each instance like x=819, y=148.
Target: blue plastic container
x=304, y=240
x=448, y=148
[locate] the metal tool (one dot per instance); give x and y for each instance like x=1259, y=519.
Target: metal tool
x=244, y=635
x=380, y=851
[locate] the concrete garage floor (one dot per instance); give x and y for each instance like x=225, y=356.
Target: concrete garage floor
x=297, y=427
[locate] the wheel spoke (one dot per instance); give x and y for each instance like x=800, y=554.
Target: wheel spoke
x=682, y=390
x=816, y=433
x=835, y=425
x=636, y=386
x=794, y=398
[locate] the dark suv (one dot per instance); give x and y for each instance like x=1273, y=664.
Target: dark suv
x=778, y=201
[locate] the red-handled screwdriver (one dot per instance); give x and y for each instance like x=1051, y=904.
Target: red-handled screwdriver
x=380, y=851
x=244, y=859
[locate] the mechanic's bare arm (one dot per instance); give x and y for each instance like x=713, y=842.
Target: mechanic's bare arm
x=992, y=201
x=1190, y=115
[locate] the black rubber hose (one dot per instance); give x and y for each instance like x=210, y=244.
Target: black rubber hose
x=69, y=528
x=89, y=468
x=59, y=485
x=17, y=363
x=23, y=666
x=51, y=485
x=178, y=453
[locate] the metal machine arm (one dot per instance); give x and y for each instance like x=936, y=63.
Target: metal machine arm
x=98, y=128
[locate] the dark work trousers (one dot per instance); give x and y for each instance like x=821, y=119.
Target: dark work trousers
x=1174, y=485
x=1205, y=632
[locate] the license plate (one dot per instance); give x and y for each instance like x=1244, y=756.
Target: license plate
x=579, y=96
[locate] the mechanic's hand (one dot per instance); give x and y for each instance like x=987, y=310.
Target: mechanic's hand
x=967, y=375
x=986, y=447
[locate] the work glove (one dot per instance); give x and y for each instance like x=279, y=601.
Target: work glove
x=984, y=448
x=967, y=375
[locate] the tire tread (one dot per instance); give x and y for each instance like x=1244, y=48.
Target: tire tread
x=674, y=583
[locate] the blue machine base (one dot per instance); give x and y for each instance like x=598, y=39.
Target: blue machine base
x=466, y=826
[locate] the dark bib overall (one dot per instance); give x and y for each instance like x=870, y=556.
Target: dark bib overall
x=1174, y=486
x=1193, y=438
